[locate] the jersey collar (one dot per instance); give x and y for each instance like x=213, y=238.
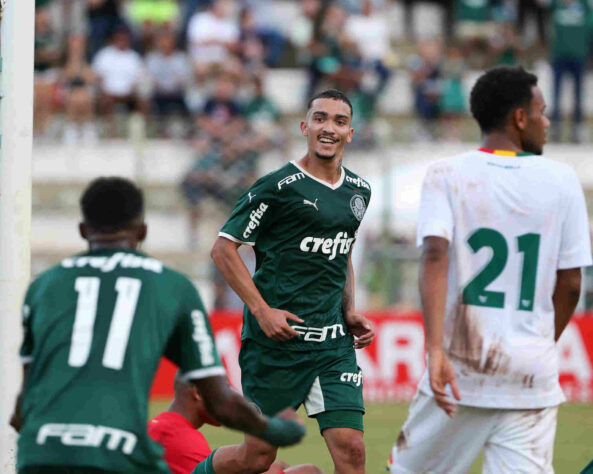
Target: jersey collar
x=334, y=186
x=505, y=152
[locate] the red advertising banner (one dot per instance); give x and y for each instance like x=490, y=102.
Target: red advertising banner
x=394, y=363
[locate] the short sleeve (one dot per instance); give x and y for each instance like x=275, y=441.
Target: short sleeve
x=27, y=346
x=191, y=346
x=575, y=241
x=435, y=216
x=252, y=215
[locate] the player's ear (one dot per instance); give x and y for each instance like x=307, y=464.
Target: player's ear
x=82, y=230
x=304, y=129
x=142, y=231
x=520, y=116
x=350, y=135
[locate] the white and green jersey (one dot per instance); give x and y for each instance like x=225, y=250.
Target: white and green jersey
x=512, y=222
x=302, y=230
x=96, y=327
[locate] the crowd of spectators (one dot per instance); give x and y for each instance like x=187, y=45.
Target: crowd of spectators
x=164, y=59
x=484, y=33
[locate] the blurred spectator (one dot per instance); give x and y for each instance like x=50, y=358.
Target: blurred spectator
x=265, y=26
x=569, y=52
x=221, y=117
x=301, y=30
x=251, y=48
x=527, y=8
x=170, y=73
x=149, y=17
x=119, y=69
x=426, y=71
x=448, y=8
x=505, y=46
x=104, y=18
x=262, y=113
x=334, y=55
x=371, y=31
x=46, y=62
x=452, y=102
x=475, y=27
x=77, y=81
x=212, y=35
x=188, y=9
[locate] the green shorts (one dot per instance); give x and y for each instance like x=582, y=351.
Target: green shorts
x=324, y=381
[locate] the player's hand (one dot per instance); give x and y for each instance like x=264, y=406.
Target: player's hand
x=441, y=374
x=361, y=328
x=290, y=414
x=274, y=323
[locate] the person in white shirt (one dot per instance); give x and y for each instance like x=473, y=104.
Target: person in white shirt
x=504, y=234
x=212, y=34
x=119, y=69
x=169, y=73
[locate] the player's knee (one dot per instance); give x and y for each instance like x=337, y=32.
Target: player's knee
x=350, y=450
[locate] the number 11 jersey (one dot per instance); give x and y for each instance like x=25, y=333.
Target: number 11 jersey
x=511, y=222
x=95, y=329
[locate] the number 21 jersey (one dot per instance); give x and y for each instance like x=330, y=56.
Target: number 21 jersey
x=511, y=222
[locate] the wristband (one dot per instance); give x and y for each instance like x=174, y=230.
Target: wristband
x=281, y=432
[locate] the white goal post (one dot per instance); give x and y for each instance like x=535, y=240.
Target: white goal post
x=16, y=129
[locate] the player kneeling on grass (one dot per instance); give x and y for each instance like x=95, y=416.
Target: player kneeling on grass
x=504, y=234
x=96, y=326
x=177, y=431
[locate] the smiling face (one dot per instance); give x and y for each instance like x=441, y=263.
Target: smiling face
x=327, y=128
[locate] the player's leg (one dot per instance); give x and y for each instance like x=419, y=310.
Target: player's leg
x=430, y=441
x=273, y=380
x=347, y=449
x=335, y=400
x=252, y=456
x=522, y=442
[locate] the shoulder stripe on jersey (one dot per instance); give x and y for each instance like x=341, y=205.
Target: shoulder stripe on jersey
x=334, y=186
x=235, y=239
x=203, y=373
x=26, y=359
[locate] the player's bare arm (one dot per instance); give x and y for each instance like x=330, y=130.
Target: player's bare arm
x=358, y=325
x=565, y=297
x=16, y=420
x=231, y=409
x=434, y=266
x=273, y=322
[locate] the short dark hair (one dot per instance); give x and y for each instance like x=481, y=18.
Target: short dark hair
x=334, y=94
x=497, y=92
x=110, y=204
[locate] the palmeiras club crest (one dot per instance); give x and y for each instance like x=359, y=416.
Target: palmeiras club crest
x=358, y=206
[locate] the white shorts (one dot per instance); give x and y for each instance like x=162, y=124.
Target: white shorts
x=514, y=441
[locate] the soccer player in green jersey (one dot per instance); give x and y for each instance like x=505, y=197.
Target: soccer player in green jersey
x=300, y=327
x=96, y=326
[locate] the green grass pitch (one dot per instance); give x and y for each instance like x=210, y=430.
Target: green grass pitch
x=573, y=449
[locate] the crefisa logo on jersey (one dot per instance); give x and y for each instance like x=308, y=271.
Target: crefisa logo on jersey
x=254, y=219
x=341, y=243
x=358, y=206
x=359, y=182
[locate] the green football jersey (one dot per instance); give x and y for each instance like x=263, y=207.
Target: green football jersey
x=96, y=327
x=302, y=230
